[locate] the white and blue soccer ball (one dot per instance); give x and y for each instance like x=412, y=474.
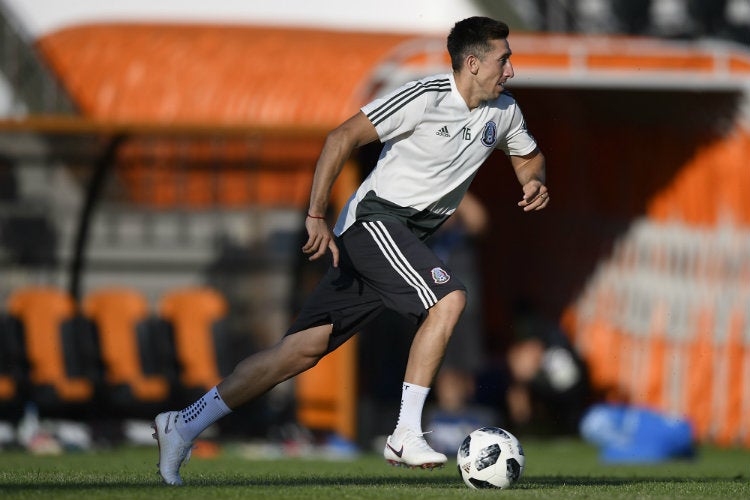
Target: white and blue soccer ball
x=490, y=457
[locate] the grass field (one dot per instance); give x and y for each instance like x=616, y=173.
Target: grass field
x=555, y=469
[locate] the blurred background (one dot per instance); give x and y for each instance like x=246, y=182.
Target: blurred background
x=155, y=166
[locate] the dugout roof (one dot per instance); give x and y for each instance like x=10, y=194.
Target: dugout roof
x=270, y=76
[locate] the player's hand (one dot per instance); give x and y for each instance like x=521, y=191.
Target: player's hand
x=320, y=238
x=535, y=196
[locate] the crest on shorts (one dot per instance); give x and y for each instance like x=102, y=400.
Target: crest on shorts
x=439, y=275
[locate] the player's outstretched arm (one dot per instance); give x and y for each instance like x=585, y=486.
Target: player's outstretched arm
x=531, y=173
x=353, y=133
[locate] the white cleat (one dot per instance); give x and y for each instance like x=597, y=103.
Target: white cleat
x=409, y=449
x=173, y=450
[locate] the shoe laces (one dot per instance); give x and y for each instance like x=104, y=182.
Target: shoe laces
x=417, y=440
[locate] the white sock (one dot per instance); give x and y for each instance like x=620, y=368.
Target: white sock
x=199, y=415
x=412, y=401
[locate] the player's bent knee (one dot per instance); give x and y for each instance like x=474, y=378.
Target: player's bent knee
x=307, y=347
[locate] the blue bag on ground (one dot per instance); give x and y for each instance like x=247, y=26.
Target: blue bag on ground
x=630, y=434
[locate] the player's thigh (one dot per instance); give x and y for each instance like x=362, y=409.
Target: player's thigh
x=401, y=268
x=342, y=300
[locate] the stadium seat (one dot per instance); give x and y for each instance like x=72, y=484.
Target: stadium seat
x=61, y=350
x=202, y=347
x=136, y=372
x=326, y=394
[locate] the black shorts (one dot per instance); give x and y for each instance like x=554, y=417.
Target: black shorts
x=381, y=265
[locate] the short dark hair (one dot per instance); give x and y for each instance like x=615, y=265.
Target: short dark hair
x=472, y=36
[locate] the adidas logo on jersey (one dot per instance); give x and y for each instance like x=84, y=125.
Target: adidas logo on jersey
x=443, y=132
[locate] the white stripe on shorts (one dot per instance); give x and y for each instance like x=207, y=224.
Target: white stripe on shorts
x=399, y=263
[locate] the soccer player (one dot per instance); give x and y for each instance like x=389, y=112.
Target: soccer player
x=436, y=132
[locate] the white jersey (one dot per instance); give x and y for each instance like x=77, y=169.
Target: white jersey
x=433, y=147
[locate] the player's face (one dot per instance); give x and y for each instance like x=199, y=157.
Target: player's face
x=495, y=69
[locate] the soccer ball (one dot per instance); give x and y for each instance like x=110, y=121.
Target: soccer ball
x=490, y=457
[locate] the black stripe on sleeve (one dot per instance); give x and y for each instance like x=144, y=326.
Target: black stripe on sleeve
x=398, y=101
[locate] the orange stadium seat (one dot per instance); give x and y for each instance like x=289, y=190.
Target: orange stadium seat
x=121, y=317
x=327, y=394
x=60, y=346
x=196, y=316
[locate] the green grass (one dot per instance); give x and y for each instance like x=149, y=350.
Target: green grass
x=555, y=469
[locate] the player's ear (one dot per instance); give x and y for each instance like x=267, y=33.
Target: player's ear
x=471, y=63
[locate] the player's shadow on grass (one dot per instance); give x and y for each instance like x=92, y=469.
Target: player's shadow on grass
x=304, y=482
x=445, y=481
x=286, y=482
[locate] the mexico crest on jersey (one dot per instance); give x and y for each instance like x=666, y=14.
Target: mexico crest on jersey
x=489, y=134
x=439, y=275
